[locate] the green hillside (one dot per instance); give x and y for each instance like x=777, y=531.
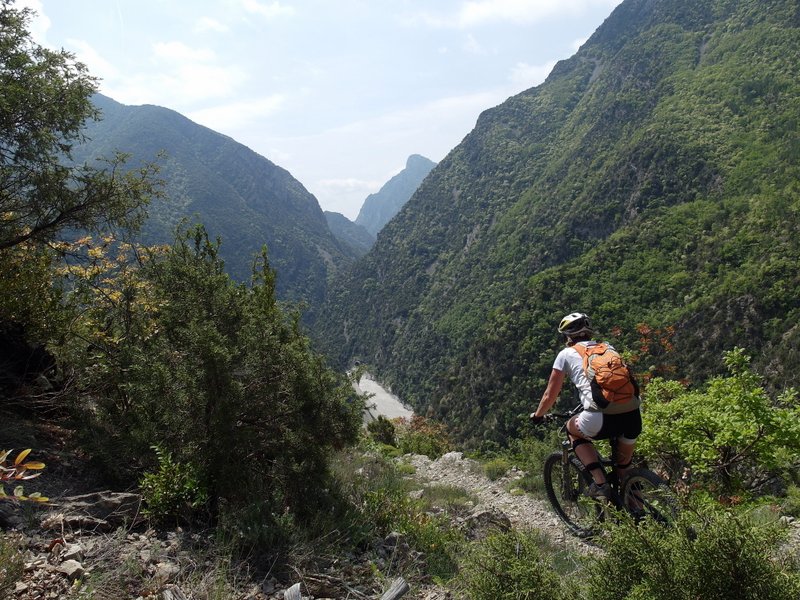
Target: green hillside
x=350, y=235
x=237, y=194
x=652, y=181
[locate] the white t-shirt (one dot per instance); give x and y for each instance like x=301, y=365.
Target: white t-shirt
x=571, y=363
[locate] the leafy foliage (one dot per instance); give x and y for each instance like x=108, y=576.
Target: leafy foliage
x=379, y=493
x=419, y=435
x=213, y=372
x=731, y=432
x=510, y=566
x=173, y=491
x=712, y=555
x=46, y=103
x=19, y=471
x=382, y=430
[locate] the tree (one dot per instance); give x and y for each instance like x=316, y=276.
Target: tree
x=214, y=373
x=45, y=103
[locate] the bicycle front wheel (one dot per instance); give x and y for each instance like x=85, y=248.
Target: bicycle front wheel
x=566, y=489
x=648, y=497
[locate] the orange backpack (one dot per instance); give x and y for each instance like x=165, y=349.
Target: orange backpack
x=611, y=379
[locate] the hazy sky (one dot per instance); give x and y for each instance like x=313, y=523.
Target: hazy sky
x=341, y=92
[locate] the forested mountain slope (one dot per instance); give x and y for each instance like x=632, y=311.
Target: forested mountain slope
x=351, y=235
x=652, y=181
x=237, y=194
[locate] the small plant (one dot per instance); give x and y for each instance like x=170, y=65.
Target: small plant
x=496, y=468
x=513, y=565
x=174, y=491
x=454, y=500
x=382, y=430
x=422, y=436
x=791, y=503
x=11, y=565
x=19, y=471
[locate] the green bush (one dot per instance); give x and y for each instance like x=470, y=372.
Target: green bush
x=174, y=491
x=731, y=435
x=791, y=503
x=419, y=435
x=711, y=555
x=496, y=468
x=530, y=454
x=513, y=566
x=382, y=430
x=380, y=494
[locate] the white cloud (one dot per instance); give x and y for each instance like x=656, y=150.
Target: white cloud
x=192, y=75
x=98, y=66
x=350, y=184
x=205, y=24
x=473, y=46
x=480, y=12
x=269, y=11
x=180, y=52
x=526, y=76
x=238, y=115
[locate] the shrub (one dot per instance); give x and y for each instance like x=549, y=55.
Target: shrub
x=379, y=492
x=382, y=431
x=513, y=566
x=711, y=555
x=791, y=503
x=496, y=468
x=731, y=434
x=219, y=375
x=422, y=436
x=530, y=454
x=172, y=492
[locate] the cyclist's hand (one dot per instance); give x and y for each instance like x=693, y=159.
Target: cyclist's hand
x=536, y=420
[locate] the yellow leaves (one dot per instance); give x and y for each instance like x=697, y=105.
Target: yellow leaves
x=18, y=471
x=21, y=456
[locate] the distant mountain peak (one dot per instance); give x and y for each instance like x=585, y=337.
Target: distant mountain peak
x=379, y=208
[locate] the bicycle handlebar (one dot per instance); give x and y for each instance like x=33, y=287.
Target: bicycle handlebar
x=566, y=415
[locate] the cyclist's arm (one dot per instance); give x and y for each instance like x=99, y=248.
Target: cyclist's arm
x=551, y=393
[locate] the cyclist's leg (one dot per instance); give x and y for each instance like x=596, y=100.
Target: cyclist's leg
x=580, y=428
x=623, y=429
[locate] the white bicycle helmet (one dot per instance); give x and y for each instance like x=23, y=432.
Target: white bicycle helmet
x=575, y=324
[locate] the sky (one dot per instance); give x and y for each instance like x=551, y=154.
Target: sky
x=340, y=93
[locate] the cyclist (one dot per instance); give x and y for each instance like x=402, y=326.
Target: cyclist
x=621, y=421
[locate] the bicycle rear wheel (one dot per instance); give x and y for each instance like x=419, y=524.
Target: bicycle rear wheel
x=648, y=497
x=566, y=490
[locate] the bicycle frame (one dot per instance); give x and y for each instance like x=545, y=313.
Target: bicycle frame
x=642, y=494
x=609, y=465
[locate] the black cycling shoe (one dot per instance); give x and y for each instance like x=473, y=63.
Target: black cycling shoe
x=599, y=491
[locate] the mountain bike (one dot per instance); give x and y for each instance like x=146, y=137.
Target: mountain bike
x=643, y=494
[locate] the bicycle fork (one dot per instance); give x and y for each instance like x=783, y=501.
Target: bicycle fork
x=568, y=489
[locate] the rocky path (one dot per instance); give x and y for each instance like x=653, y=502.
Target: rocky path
x=523, y=510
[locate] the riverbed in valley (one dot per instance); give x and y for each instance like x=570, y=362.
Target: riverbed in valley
x=381, y=402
